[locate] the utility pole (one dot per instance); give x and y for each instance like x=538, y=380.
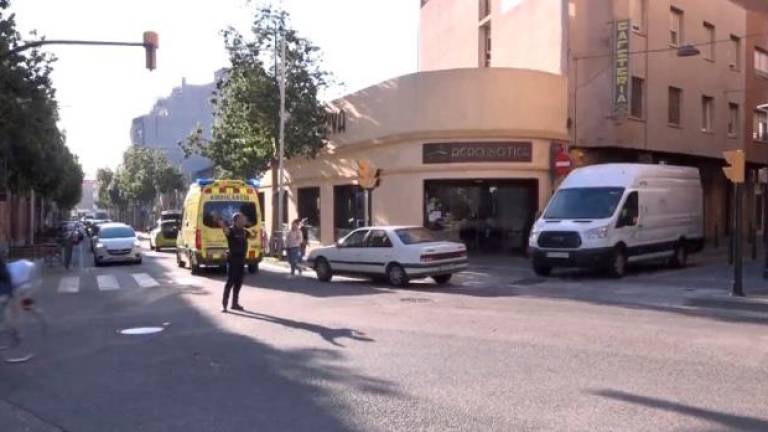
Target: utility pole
x=281, y=156
x=735, y=173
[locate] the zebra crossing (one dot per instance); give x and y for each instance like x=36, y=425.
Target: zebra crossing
x=111, y=282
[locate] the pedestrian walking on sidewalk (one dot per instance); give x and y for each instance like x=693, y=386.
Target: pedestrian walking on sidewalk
x=237, y=239
x=293, y=242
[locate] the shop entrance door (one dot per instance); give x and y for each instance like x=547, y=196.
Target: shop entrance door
x=489, y=216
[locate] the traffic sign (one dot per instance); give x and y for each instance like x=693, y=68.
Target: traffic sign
x=563, y=163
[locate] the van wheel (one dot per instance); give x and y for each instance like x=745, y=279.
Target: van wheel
x=323, y=270
x=194, y=266
x=541, y=269
x=396, y=275
x=680, y=257
x=618, y=266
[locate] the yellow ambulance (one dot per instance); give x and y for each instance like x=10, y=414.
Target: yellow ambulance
x=201, y=241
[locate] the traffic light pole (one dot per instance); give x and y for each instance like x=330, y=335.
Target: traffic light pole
x=737, y=252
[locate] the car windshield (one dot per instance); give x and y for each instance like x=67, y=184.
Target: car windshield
x=584, y=203
x=416, y=235
x=116, y=232
x=214, y=211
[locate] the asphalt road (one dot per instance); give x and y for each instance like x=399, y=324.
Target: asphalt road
x=481, y=354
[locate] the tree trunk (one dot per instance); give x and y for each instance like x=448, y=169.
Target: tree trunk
x=275, y=203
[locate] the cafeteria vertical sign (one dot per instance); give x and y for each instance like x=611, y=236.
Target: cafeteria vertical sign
x=621, y=91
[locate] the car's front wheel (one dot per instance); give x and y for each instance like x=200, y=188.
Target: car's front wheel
x=442, y=279
x=323, y=270
x=397, y=276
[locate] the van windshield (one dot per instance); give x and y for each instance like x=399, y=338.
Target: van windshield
x=213, y=211
x=584, y=203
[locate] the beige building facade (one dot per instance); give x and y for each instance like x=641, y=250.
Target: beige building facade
x=668, y=109
x=463, y=151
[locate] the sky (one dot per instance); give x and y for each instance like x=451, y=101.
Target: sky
x=101, y=89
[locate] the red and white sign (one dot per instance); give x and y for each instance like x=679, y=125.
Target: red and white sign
x=563, y=163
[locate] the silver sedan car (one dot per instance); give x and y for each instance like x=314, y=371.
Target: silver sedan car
x=116, y=242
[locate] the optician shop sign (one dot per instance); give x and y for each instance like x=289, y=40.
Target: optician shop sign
x=621, y=91
x=456, y=152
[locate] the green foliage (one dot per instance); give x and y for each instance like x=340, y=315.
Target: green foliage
x=247, y=100
x=33, y=153
x=143, y=175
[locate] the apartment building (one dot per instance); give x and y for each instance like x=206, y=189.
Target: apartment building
x=654, y=81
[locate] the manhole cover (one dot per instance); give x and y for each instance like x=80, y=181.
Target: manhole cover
x=528, y=281
x=415, y=300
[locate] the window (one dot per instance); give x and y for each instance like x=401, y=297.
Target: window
x=707, y=109
x=356, y=239
x=260, y=196
x=761, y=61
x=215, y=212
x=379, y=239
x=735, y=52
x=584, y=203
x=709, y=48
x=485, y=45
x=676, y=27
x=349, y=207
x=485, y=8
x=760, y=126
x=637, y=97
x=733, y=119
x=630, y=211
x=116, y=232
x=675, y=99
x=638, y=15
x=309, y=210
x=411, y=236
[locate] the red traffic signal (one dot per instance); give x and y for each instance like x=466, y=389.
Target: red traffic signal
x=151, y=43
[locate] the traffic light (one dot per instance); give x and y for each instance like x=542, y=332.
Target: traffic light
x=368, y=175
x=150, y=46
x=735, y=169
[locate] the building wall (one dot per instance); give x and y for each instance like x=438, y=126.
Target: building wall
x=89, y=197
x=525, y=34
x=756, y=83
x=172, y=119
x=387, y=124
x=595, y=125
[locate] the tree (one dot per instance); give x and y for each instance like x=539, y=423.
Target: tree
x=104, y=177
x=245, y=132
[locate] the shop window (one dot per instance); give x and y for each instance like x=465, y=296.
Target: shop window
x=707, y=113
x=733, y=119
x=348, y=209
x=675, y=100
x=260, y=197
x=491, y=216
x=675, y=27
x=485, y=45
x=638, y=94
x=761, y=61
x=638, y=15
x=735, y=53
x=760, y=126
x=709, y=48
x=309, y=210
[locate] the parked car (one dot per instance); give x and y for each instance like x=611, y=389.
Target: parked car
x=608, y=215
x=164, y=234
x=399, y=254
x=93, y=232
x=117, y=242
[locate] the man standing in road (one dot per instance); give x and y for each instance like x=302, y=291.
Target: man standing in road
x=237, y=238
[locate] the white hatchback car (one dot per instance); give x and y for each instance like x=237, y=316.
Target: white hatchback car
x=116, y=242
x=398, y=254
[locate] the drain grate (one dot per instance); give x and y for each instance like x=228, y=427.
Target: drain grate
x=415, y=300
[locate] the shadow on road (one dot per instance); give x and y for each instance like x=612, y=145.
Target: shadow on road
x=194, y=376
x=327, y=333
x=731, y=421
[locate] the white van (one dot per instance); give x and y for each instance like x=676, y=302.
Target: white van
x=607, y=215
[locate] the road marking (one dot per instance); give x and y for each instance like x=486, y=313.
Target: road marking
x=70, y=284
x=144, y=280
x=185, y=281
x=107, y=283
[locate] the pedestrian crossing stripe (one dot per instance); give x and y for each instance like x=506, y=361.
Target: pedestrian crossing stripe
x=107, y=283
x=144, y=280
x=70, y=284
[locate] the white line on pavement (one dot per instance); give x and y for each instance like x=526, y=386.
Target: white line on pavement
x=107, y=283
x=69, y=284
x=185, y=281
x=144, y=280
